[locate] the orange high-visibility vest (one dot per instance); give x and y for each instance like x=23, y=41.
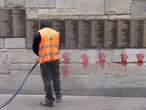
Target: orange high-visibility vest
x=49, y=45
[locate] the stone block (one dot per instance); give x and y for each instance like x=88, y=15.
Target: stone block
x=91, y=7
x=15, y=43
x=117, y=6
x=2, y=3
x=66, y=4
x=40, y=4
x=47, y=13
x=1, y=43
x=31, y=13
x=15, y=3
x=138, y=9
x=5, y=63
x=25, y=56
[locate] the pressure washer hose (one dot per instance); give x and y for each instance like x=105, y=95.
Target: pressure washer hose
x=19, y=87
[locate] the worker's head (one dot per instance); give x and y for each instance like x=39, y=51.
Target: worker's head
x=44, y=23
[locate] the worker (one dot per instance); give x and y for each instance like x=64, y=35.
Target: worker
x=46, y=46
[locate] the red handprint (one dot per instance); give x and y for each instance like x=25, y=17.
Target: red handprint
x=65, y=71
x=84, y=58
x=124, y=58
x=101, y=58
x=140, y=59
x=66, y=57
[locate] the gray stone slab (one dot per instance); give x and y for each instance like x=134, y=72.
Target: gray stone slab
x=92, y=7
x=117, y=6
x=40, y=4
x=15, y=3
x=138, y=9
x=2, y=3
x=15, y=43
x=66, y=4
x=5, y=63
x=19, y=21
x=1, y=43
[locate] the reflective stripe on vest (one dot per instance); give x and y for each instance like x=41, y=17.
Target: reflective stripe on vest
x=49, y=45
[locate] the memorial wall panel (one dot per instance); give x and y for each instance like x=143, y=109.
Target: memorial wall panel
x=110, y=38
x=123, y=40
x=71, y=34
x=5, y=23
x=97, y=34
x=136, y=39
x=19, y=29
x=144, y=34
x=84, y=34
x=31, y=27
x=59, y=25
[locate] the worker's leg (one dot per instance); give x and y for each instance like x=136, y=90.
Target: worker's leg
x=46, y=76
x=56, y=79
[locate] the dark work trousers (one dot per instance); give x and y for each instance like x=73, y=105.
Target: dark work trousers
x=51, y=78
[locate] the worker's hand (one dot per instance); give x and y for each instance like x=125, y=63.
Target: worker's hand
x=36, y=60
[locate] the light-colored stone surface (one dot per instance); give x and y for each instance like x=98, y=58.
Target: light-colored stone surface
x=117, y=6
x=1, y=43
x=47, y=13
x=112, y=55
x=67, y=3
x=25, y=56
x=40, y=4
x=15, y=43
x=138, y=9
x=31, y=13
x=91, y=7
x=5, y=63
x=15, y=3
x=110, y=80
x=2, y=3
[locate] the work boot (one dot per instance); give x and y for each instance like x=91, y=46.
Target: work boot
x=48, y=102
x=58, y=98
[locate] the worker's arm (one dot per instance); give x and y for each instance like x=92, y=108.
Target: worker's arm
x=36, y=41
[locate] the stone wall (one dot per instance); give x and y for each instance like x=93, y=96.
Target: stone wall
x=112, y=79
